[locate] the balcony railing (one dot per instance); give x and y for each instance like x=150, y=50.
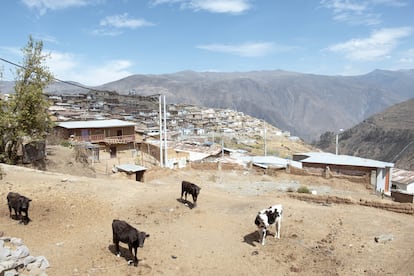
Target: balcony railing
x=124, y=139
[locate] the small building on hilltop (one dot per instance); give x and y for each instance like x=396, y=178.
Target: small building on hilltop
x=376, y=173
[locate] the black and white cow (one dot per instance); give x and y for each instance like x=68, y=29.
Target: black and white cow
x=19, y=204
x=190, y=188
x=123, y=232
x=267, y=217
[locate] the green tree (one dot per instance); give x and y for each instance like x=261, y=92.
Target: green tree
x=26, y=115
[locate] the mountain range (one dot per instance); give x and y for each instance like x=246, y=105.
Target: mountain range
x=307, y=105
x=386, y=136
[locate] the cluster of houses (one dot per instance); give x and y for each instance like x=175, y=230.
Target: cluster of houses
x=112, y=124
x=183, y=119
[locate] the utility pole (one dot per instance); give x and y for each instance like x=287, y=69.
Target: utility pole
x=160, y=123
x=222, y=146
x=336, y=147
x=165, y=135
x=265, y=148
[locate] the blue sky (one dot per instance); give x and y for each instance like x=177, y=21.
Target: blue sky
x=98, y=41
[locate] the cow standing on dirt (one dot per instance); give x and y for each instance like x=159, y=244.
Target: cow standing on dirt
x=190, y=188
x=19, y=204
x=267, y=217
x=123, y=232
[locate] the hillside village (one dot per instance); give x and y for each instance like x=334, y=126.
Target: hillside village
x=180, y=122
x=144, y=111
x=121, y=133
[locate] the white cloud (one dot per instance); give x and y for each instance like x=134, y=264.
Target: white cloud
x=339, y=6
x=220, y=6
x=43, y=5
x=378, y=46
x=69, y=67
x=407, y=59
x=214, y=6
x=392, y=3
x=160, y=2
x=123, y=21
x=358, y=12
x=368, y=19
x=256, y=49
x=112, y=25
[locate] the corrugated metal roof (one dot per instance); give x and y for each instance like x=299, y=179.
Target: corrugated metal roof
x=195, y=156
x=346, y=160
x=95, y=124
x=402, y=176
x=270, y=161
x=130, y=168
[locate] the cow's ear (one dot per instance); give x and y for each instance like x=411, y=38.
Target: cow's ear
x=29, y=199
x=147, y=235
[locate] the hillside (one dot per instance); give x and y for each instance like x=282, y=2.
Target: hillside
x=306, y=105
x=71, y=225
x=386, y=136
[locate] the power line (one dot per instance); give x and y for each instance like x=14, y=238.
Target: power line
x=70, y=83
x=56, y=79
x=395, y=157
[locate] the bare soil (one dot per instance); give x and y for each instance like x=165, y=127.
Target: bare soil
x=72, y=210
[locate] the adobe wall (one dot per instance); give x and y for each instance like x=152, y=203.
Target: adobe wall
x=402, y=197
x=359, y=176
x=215, y=166
x=405, y=208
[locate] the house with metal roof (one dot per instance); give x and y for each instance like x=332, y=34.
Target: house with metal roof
x=403, y=180
x=112, y=134
x=270, y=161
x=377, y=173
x=402, y=185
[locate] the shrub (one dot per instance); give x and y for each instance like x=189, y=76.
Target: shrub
x=66, y=144
x=303, y=190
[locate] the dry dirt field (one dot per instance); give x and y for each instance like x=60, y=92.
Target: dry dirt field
x=71, y=217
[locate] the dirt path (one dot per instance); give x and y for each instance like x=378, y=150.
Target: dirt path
x=72, y=215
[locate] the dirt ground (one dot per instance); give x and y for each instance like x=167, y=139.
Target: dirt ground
x=71, y=216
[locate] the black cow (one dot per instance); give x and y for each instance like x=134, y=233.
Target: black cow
x=20, y=204
x=123, y=232
x=190, y=188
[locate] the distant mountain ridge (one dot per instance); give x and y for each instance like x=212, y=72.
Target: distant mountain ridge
x=386, y=136
x=307, y=105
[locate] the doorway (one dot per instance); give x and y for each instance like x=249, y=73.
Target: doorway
x=112, y=151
